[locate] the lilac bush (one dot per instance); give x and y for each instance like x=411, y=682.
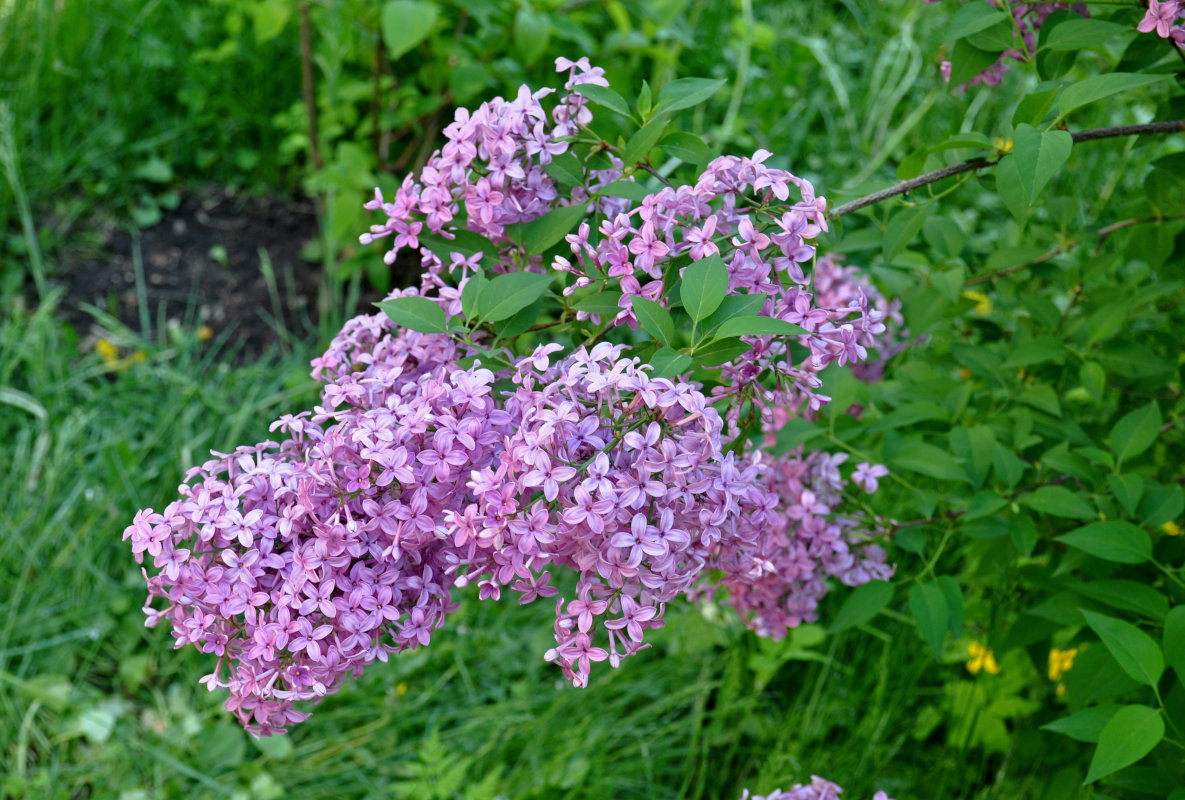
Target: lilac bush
x=817, y=789
x=458, y=441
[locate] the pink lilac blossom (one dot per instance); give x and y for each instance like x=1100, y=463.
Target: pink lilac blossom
x=1027, y=20
x=817, y=789
x=1166, y=19
x=300, y=562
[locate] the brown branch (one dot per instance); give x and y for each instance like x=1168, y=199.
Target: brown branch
x=1127, y=223
x=306, y=80
x=1173, y=126
x=1012, y=269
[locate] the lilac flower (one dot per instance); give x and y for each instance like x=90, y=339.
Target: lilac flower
x=866, y=476
x=302, y=561
x=1160, y=17
x=817, y=789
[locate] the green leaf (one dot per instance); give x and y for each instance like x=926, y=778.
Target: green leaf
x=605, y=303
x=994, y=38
x=406, y=23
x=1041, y=396
x=518, y=323
x=1129, y=736
x=973, y=18
x=669, y=362
x=978, y=360
x=1058, y=501
x=721, y=351
x=758, y=326
x=735, y=305
x=1079, y=34
x=1174, y=641
x=471, y=293
x=1033, y=107
x=685, y=147
x=917, y=456
x=1135, y=432
x=566, y=169
x=967, y=60
x=909, y=414
x=945, y=236
x=269, y=19
x=983, y=504
x=1106, y=321
x=927, y=603
x=638, y=148
x=645, y=101
x=604, y=96
x=466, y=243
x=1007, y=465
x=532, y=30
x=1011, y=189
x=954, y=603
x=628, y=190
x=415, y=313
x=864, y=603
x=704, y=287
x=1086, y=725
x=1093, y=379
x=1096, y=87
x=1161, y=504
x=505, y=295
x=1135, y=651
x=655, y=319
x=550, y=229
x=975, y=445
x=1112, y=540
x=685, y=93
x=1128, y=489
x=1039, y=155
x=1035, y=351
x=913, y=165
x=1139, y=598
x=1024, y=534
x=902, y=229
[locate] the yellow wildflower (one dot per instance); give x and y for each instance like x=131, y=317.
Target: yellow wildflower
x=204, y=333
x=983, y=303
x=1003, y=145
x=981, y=659
x=108, y=352
x=401, y=690
x=1171, y=528
x=1060, y=662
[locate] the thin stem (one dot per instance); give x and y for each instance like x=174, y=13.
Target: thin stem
x=1173, y=126
x=306, y=79
x=1016, y=268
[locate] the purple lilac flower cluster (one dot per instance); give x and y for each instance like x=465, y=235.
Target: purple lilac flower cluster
x=842, y=286
x=817, y=789
x=1028, y=19
x=300, y=562
x=1167, y=19
x=494, y=161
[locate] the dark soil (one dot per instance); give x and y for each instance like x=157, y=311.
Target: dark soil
x=204, y=264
